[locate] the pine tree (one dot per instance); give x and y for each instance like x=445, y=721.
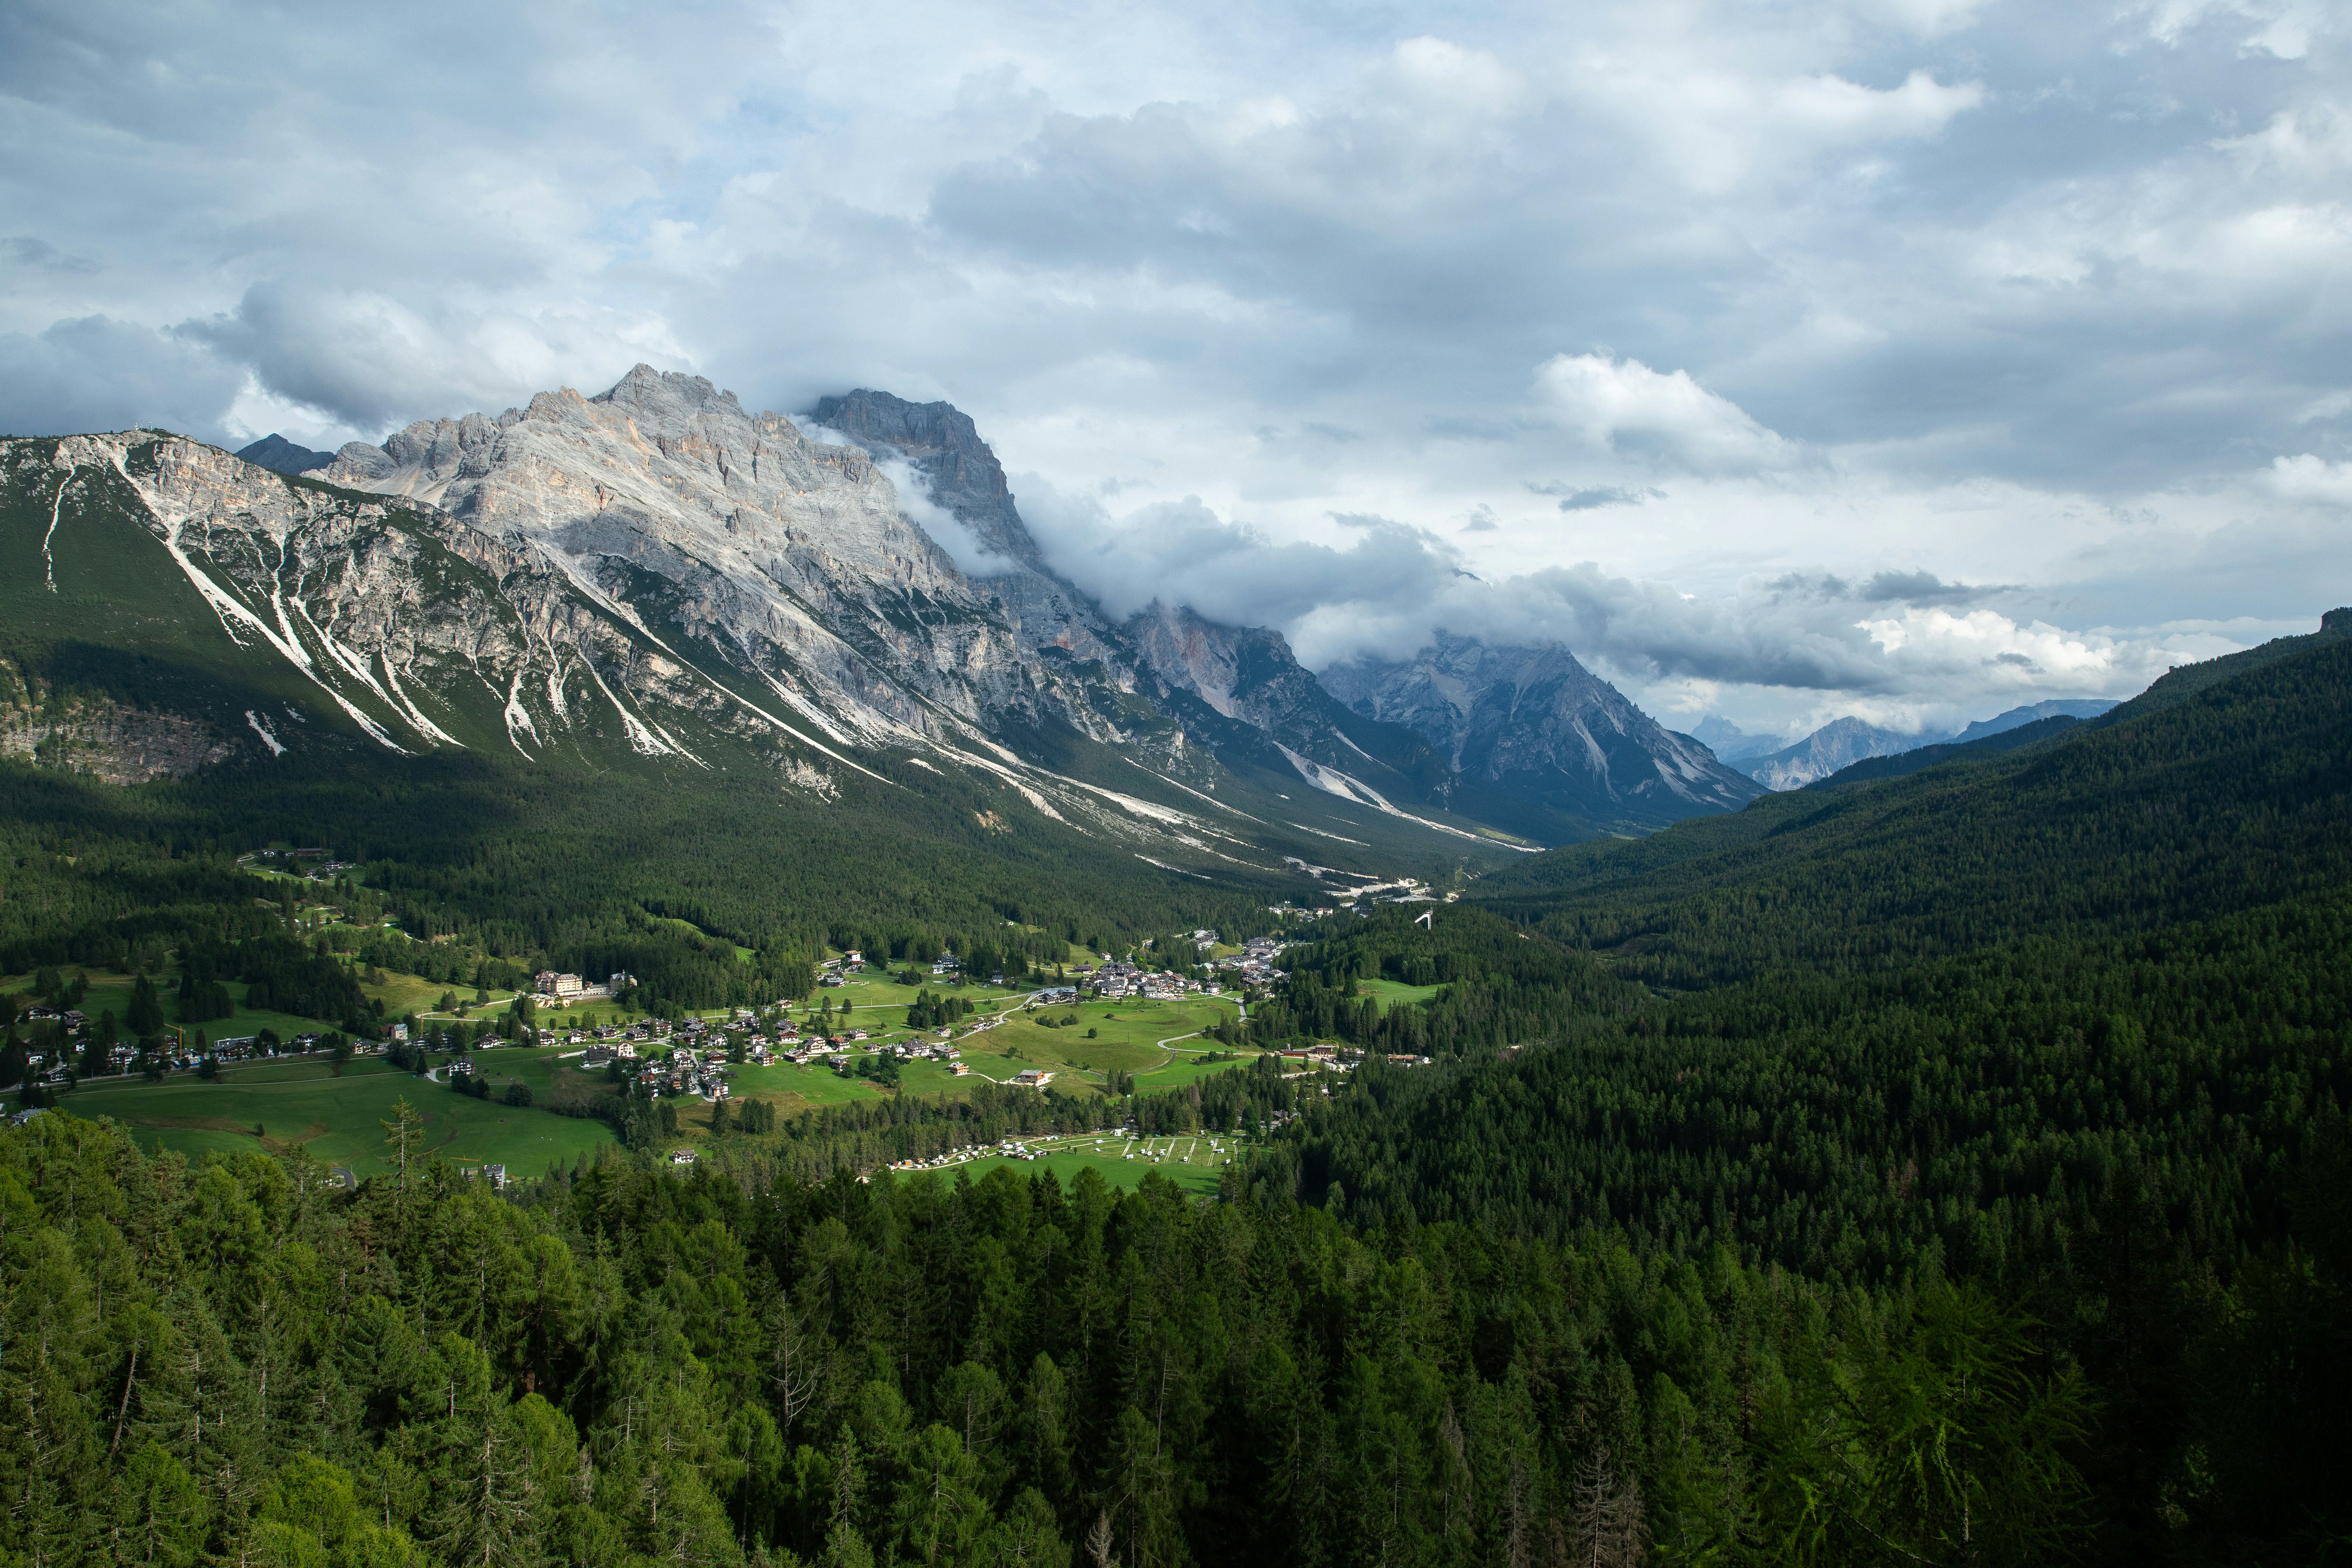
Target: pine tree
x=159, y=1515
x=146, y=1016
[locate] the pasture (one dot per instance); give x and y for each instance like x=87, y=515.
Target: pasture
x=1395, y=994
x=341, y=1118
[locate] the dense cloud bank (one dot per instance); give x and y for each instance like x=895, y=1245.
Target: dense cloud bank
x=1358, y=322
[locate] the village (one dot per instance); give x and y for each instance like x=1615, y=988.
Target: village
x=1095, y=1024
x=693, y=1056
x=686, y=1057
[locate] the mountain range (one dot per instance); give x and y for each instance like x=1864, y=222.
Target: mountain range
x=1843, y=743
x=656, y=577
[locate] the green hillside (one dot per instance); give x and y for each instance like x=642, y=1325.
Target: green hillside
x=2072, y=1024
x=2232, y=799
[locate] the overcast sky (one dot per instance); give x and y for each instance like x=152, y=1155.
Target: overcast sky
x=1913, y=360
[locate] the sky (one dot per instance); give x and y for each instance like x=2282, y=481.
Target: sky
x=1912, y=360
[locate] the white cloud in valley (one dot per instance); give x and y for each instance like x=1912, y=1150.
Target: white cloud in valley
x=1909, y=360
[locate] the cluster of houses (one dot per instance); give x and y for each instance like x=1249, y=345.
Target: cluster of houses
x=703, y=1047
x=1253, y=965
x=1116, y=982
x=61, y=1061
x=686, y=1070
x=837, y=970
x=1344, y=1057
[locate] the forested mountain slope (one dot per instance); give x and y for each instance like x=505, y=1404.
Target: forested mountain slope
x=2071, y=1023
x=2185, y=680
x=2233, y=798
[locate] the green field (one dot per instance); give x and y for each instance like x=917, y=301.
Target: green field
x=302, y=1101
x=796, y=1087
x=1126, y=1035
x=1187, y=1069
x=1395, y=994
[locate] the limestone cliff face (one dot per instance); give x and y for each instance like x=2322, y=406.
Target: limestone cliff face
x=1248, y=674
x=1534, y=722
x=1837, y=744
x=944, y=452
x=665, y=502
x=415, y=626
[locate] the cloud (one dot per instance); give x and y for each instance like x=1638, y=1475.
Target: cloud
x=1624, y=405
x=1592, y=498
x=2282, y=28
x=31, y=251
x=1903, y=644
x=916, y=502
x=1184, y=552
x=1913, y=297
x=2305, y=478
x=367, y=359
x=1908, y=662
x=1882, y=587
x=97, y=373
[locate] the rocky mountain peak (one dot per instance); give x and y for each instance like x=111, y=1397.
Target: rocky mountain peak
x=274, y=451
x=1534, y=722
x=670, y=400
x=1837, y=744
x=940, y=441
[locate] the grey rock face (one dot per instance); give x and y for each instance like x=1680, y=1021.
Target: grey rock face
x=797, y=561
x=105, y=740
x=1835, y=745
x=1249, y=676
x=274, y=451
x=423, y=631
x=959, y=471
x=1535, y=722
x=945, y=447
x=664, y=500
x=1728, y=742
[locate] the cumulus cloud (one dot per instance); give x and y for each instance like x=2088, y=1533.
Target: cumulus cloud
x=917, y=503
x=1184, y=552
x=2305, y=478
x=1624, y=405
x=32, y=251
x=367, y=359
x=1591, y=498
x=1906, y=646
x=98, y=373
x=1808, y=653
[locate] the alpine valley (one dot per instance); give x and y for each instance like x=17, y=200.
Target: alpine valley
x=634, y=984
